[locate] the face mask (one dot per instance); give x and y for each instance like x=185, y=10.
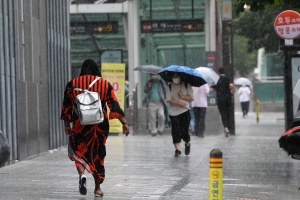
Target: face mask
x=154, y=76
x=176, y=80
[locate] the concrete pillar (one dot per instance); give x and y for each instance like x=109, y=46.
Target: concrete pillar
x=133, y=44
x=210, y=25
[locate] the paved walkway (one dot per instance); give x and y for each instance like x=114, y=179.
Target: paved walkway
x=144, y=167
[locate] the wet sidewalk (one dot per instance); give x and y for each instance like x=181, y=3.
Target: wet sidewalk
x=144, y=167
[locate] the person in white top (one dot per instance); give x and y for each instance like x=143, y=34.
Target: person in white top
x=178, y=95
x=245, y=95
x=199, y=107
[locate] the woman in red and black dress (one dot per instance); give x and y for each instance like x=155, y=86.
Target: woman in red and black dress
x=87, y=142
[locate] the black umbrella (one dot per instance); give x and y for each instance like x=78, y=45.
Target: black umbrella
x=290, y=142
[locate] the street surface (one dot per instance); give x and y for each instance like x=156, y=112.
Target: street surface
x=144, y=167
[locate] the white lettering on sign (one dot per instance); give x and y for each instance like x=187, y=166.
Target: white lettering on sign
x=154, y=25
x=147, y=27
x=287, y=24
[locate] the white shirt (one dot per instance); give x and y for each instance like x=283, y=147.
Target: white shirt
x=200, y=96
x=244, y=93
x=173, y=94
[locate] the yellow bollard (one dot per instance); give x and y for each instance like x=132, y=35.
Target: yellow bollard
x=257, y=108
x=216, y=175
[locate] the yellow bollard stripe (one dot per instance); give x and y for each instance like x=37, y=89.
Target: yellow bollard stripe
x=215, y=159
x=217, y=165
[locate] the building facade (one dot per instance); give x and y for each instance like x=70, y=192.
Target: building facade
x=35, y=63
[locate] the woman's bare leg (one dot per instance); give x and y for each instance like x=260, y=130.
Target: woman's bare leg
x=177, y=146
x=80, y=170
x=97, y=189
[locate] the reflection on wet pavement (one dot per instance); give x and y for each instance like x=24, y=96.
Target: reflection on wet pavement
x=144, y=167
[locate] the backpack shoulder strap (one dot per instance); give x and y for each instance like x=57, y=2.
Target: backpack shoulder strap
x=92, y=83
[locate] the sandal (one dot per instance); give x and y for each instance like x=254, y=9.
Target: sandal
x=99, y=195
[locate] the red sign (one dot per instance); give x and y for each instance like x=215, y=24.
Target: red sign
x=287, y=24
x=210, y=57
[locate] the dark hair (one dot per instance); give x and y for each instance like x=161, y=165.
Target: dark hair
x=221, y=70
x=90, y=67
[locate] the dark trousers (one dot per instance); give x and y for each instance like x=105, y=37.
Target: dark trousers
x=245, y=107
x=180, y=127
x=224, y=109
x=199, y=113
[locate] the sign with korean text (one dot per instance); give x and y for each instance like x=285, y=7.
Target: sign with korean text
x=287, y=24
x=171, y=26
x=216, y=184
x=94, y=27
x=114, y=73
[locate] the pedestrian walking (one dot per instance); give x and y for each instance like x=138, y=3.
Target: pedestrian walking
x=155, y=100
x=224, y=87
x=87, y=142
x=199, y=106
x=245, y=95
x=178, y=95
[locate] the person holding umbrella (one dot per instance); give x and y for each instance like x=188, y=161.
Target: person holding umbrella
x=245, y=95
x=178, y=95
x=155, y=100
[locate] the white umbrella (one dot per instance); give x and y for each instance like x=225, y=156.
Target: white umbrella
x=153, y=69
x=297, y=89
x=242, y=81
x=209, y=75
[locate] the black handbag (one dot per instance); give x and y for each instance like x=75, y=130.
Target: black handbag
x=5, y=150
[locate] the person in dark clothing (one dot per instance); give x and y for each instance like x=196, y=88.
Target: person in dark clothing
x=87, y=142
x=223, y=89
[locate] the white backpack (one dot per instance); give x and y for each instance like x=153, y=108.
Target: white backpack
x=88, y=106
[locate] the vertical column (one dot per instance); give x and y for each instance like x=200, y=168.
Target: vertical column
x=56, y=69
x=59, y=65
x=133, y=44
x=212, y=25
x=66, y=55
x=7, y=66
x=210, y=42
x=288, y=97
x=2, y=76
x=13, y=80
x=227, y=45
x=207, y=27
x=51, y=71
